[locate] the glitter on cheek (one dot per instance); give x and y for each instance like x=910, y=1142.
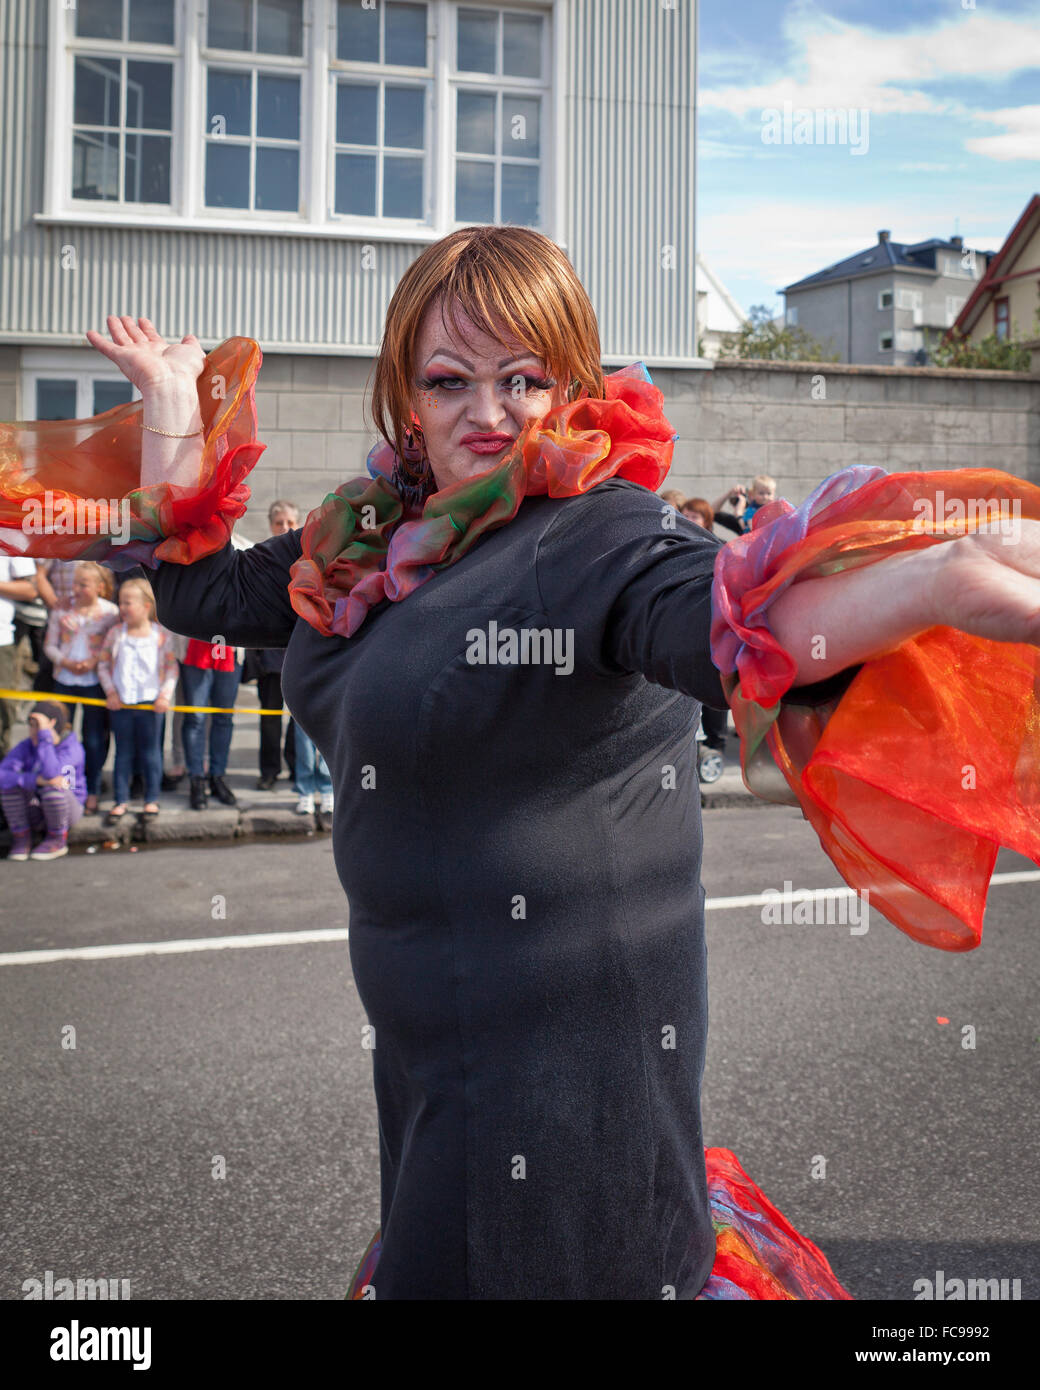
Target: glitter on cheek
x=427, y=398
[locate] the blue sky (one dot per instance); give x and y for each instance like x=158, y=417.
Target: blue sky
x=951, y=135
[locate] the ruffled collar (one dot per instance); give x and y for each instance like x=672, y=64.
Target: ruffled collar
x=364, y=545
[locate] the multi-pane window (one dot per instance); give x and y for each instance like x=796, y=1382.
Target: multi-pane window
x=122, y=106
x=315, y=112
x=252, y=140
x=954, y=304
x=77, y=395
x=499, y=68
x=138, y=21
x=381, y=128
x=256, y=26
x=1002, y=318
x=253, y=134
x=380, y=149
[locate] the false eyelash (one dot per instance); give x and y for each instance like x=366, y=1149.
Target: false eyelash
x=533, y=383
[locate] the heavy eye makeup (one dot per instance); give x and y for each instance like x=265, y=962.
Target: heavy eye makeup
x=455, y=383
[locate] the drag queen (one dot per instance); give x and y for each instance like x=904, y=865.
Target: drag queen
x=499, y=640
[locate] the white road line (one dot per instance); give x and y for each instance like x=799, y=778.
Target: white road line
x=175, y=948
x=304, y=938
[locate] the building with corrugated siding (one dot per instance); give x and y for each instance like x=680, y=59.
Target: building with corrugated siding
x=269, y=168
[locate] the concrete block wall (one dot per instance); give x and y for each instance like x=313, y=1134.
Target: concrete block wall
x=734, y=420
x=802, y=421
x=310, y=414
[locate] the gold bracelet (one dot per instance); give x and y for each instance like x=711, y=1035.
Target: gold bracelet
x=168, y=435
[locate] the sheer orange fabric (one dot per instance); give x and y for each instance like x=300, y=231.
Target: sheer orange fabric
x=70, y=489
x=930, y=761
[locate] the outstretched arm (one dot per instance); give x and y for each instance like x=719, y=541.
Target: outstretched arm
x=977, y=583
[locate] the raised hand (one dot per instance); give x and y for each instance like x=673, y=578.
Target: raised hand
x=144, y=357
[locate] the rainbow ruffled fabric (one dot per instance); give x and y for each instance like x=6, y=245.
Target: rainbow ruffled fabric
x=83, y=477
x=916, y=774
x=362, y=545
x=758, y=1253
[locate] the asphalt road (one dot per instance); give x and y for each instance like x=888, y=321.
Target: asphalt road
x=824, y=1044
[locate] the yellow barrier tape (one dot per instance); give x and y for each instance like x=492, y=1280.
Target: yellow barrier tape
x=32, y=696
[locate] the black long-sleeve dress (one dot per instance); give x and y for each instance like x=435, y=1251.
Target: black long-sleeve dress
x=520, y=844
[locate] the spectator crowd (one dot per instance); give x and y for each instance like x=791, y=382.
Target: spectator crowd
x=83, y=632
x=87, y=634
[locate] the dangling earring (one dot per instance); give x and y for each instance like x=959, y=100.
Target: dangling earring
x=412, y=474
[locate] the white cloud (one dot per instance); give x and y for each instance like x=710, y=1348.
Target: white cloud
x=780, y=242
x=1020, y=141
x=829, y=63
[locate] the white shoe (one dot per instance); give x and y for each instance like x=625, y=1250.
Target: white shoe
x=305, y=805
x=328, y=802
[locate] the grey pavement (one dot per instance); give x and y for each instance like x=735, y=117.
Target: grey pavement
x=822, y=1045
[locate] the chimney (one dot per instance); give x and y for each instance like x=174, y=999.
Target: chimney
x=957, y=242
x=883, y=235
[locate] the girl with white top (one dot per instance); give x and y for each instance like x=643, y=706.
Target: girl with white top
x=137, y=667
x=73, y=644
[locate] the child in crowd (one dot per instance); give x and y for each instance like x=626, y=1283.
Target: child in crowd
x=73, y=642
x=744, y=503
x=137, y=666
x=42, y=783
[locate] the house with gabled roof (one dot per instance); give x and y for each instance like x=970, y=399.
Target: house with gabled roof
x=888, y=304
x=1006, y=301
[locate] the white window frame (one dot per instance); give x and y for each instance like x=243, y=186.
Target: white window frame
x=909, y=340
x=60, y=112
x=495, y=85
x=954, y=304
x=881, y=299
x=791, y=316
x=882, y=345
x=65, y=364
x=319, y=72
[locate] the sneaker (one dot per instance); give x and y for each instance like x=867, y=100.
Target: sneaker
x=53, y=847
x=20, y=847
x=328, y=802
x=220, y=789
x=305, y=805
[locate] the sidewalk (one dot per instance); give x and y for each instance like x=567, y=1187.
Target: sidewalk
x=258, y=813
x=271, y=814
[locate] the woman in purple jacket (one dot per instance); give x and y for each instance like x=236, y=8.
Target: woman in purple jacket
x=43, y=783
